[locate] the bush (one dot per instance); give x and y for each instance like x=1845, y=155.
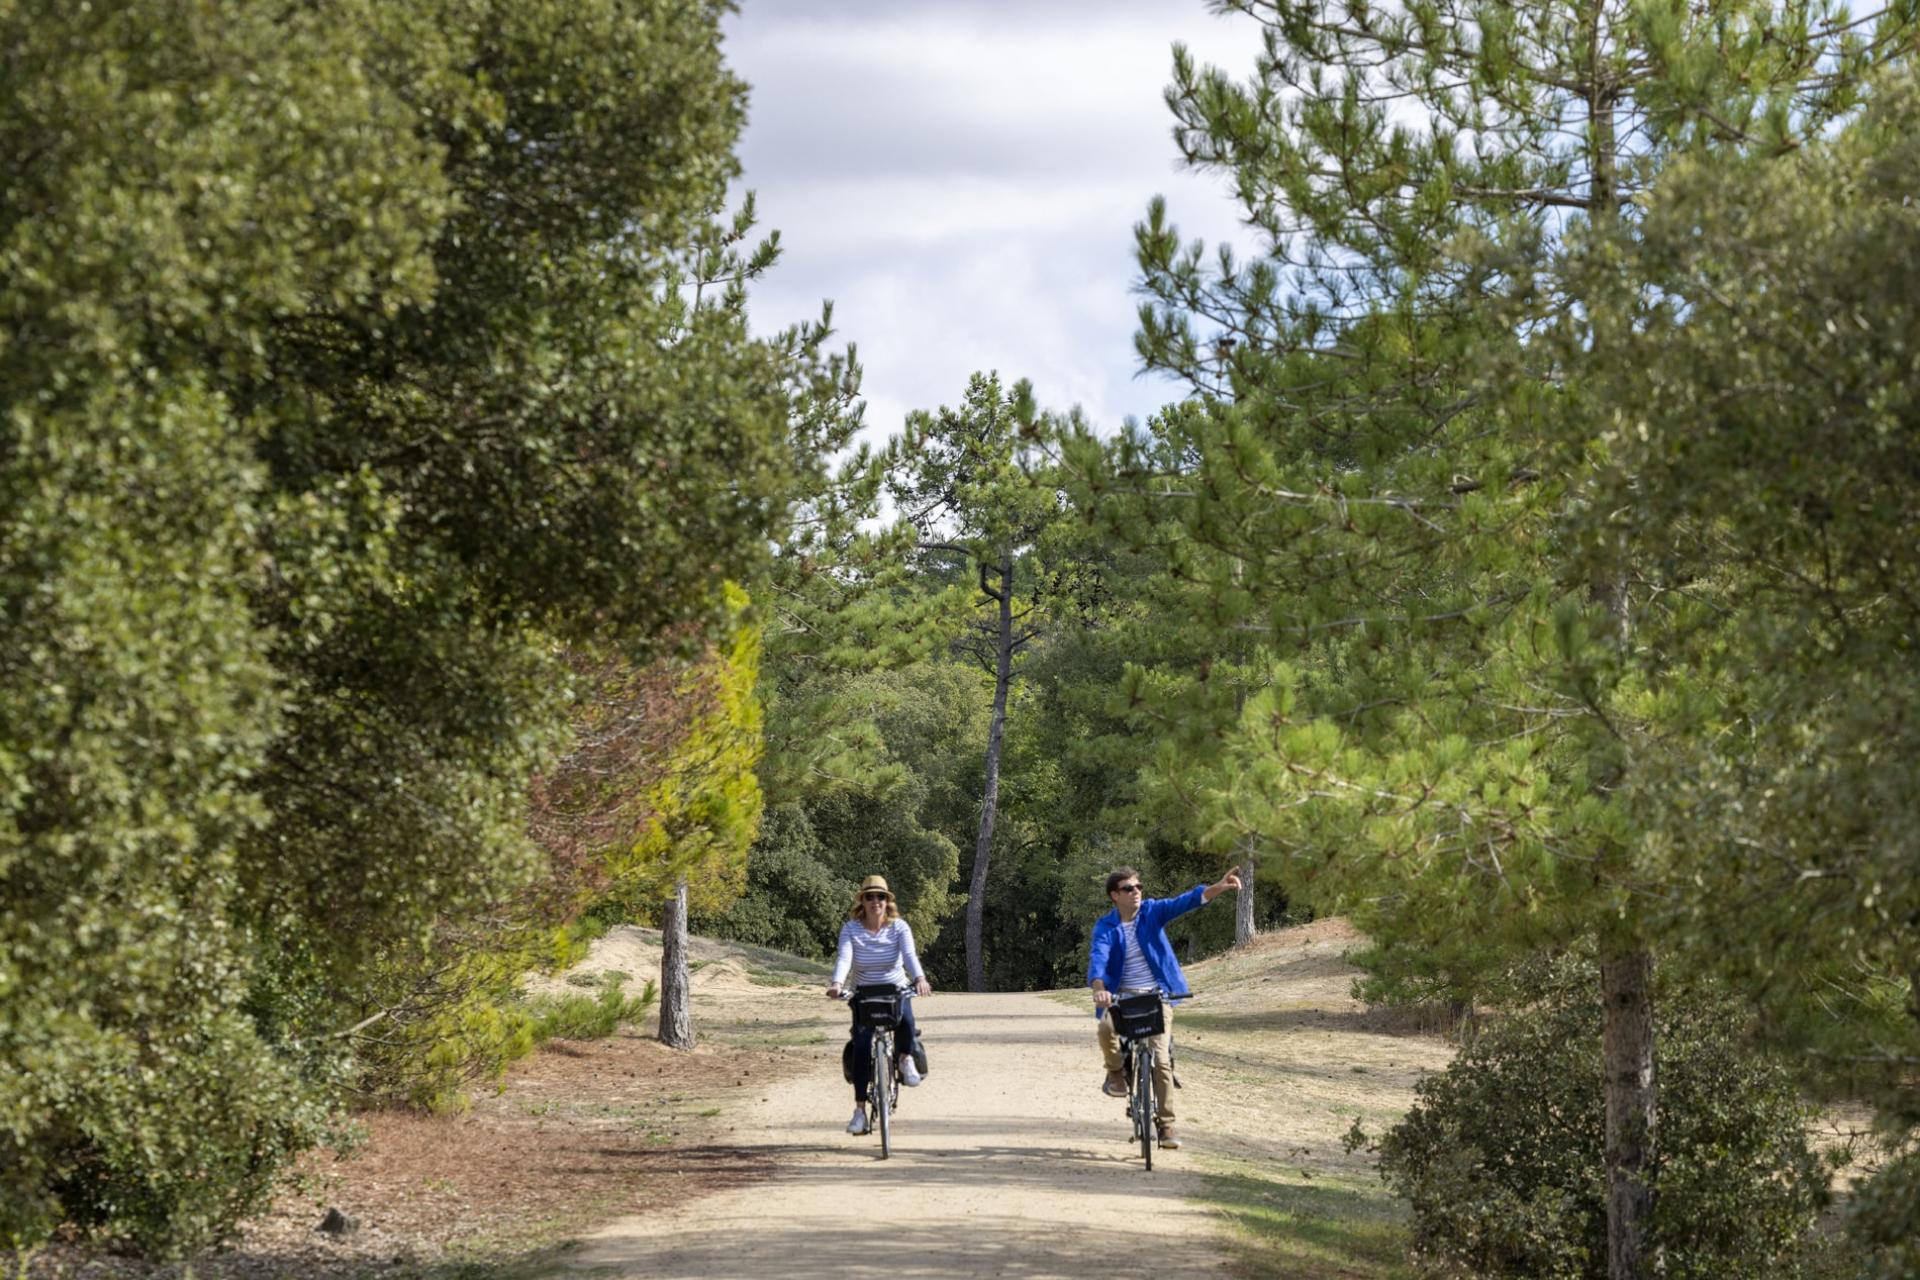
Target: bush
x=159, y=1147
x=1885, y=1222
x=589, y=1017
x=1503, y=1156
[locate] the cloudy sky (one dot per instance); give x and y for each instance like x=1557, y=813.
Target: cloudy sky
x=961, y=178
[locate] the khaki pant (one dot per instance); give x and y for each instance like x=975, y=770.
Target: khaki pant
x=1162, y=1063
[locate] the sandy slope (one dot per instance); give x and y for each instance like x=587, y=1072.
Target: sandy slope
x=1008, y=1161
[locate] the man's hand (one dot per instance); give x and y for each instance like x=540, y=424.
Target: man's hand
x=922, y=987
x=1231, y=880
x=833, y=991
x=1102, y=997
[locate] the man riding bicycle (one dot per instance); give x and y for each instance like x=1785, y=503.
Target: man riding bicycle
x=1131, y=955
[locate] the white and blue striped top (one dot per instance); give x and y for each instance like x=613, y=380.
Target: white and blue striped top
x=1137, y=975
x=874, y=958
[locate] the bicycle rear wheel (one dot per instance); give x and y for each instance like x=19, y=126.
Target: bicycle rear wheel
x=1143, y=1121
x=883, y=1090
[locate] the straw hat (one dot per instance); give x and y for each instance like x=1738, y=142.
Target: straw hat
x=872, y=884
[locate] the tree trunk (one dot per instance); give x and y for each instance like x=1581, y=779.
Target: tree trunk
x=1243, y=929
x=676, y=1015
x=1626, y=1042
x=990, y=800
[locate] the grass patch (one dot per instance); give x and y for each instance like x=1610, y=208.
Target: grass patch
x=593, y=1017
x=1319, y=1228
x=768, y=968
x=597, y=977
x=778, y=978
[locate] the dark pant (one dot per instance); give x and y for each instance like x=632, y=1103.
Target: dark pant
x=903, y=1036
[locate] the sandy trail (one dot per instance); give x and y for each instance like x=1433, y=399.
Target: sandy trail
x=1008, y=1161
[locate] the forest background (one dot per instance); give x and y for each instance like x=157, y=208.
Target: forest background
x=412, y=563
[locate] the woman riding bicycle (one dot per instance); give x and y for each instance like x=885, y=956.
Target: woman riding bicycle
x=877, y=946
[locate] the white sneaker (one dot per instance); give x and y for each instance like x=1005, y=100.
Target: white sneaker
x=858, y=1125
x=909, y=1073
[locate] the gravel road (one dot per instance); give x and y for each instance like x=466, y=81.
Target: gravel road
x=1008, y=1161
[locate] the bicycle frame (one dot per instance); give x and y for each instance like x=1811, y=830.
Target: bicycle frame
x=883, y=1085
x=1137, y=1059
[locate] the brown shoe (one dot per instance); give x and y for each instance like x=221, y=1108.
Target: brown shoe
x=1169, y=1140
x=1115, y=1085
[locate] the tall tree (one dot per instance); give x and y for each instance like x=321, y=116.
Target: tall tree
x=1757, y=442
x=348, y=375
x=971, y=480
x=1362, y=482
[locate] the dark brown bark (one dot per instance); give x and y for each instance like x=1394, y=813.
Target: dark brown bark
x=990, y=799
x=1626, y=1043
x=676, y=1014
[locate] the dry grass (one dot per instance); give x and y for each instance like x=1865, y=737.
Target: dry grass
x=1283, y=1061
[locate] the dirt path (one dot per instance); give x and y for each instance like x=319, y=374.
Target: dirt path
x=1008, y=1161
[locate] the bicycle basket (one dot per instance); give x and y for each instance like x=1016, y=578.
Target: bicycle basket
x=1137, y=1017
x=876, y=1006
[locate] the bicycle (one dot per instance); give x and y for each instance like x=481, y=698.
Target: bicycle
x=876, y=1009
x=1137, y=1019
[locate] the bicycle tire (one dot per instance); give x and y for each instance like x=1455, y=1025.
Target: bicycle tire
x=883, y=1090
x=1143, y=1102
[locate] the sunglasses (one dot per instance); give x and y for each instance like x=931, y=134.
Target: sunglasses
x=874, y=897
x=1127, y=888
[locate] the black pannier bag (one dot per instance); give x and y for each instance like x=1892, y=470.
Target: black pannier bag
x=1137, y=1017
x=876, y=1006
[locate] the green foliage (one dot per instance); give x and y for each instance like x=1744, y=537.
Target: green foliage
x=794, y=901
x=1503, y=1156
x=904, y=819
x=1434, y=705
x=1881, y=1220
x=571, y=1017
x=158, y=1139
x=1753, y=427
x=699, y=813
x=355, y=360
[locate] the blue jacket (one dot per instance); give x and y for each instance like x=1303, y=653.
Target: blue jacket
x=1108, y=957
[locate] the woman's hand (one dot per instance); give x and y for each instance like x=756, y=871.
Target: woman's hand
x=833, y=991
x=923, y=987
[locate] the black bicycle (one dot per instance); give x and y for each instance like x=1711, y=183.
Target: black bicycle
x=876, y=1011
x=1137, y=1019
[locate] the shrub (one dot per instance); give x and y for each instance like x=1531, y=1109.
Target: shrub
x=572, y=1017
x=1503, y=1156
x=1885, y=1222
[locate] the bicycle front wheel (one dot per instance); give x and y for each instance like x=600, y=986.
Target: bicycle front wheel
x=883, y=1092
x=1143, y=1102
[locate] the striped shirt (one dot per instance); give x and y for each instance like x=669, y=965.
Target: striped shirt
x=1137, y=975
x=875, y=958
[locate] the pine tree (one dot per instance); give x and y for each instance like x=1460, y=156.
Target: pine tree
x=1363, y=480
x=1754, y=442
x=966, y=479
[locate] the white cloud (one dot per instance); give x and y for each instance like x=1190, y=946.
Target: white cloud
x=963, y=179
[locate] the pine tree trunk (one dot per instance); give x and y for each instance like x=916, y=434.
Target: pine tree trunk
x=990, y=801
x=1243, y=929
x=1626, y=976
x=676, y=1015
x=1626, y=1040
